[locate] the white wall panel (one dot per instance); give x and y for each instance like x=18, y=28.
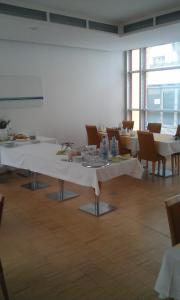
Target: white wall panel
x=79, y=87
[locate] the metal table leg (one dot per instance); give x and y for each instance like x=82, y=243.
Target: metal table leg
x=97, y=208
x=165, y=172
x=35, y=185
x=62, y=194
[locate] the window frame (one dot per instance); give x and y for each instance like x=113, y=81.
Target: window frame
x=143, y=72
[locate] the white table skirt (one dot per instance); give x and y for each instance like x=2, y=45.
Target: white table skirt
x=42, y=158
x=165, y=143
x=168, y=281
x=39, y=139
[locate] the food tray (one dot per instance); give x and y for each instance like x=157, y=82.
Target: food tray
x=96, y=164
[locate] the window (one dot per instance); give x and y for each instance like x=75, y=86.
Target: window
x=153, y=86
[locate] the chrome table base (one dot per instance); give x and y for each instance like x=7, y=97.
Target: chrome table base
x=3, y=179
x=35, y=185
x=97, y=209
x=62, y=194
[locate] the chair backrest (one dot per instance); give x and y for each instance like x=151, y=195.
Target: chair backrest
x=178, y=130
x=2, y=278
x=154, y=127
x=147, y=149
x=173, y=213
x=93, y=136
x=1, y=206
x=128, y=124
x=112, y=132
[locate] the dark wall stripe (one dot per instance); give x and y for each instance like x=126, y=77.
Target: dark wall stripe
x=22, y=12
x=103, y=27
x=56, y=18
x=21, y=98
x=174, y=16
x=138, y=25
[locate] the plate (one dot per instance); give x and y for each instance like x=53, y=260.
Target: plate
x=21, y=140
x=120, y=157
x=96, y=164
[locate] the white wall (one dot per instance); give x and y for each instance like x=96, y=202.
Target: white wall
x=80, y=87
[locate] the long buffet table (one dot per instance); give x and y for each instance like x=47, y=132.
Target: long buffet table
x=38, y=139
x=42, y=158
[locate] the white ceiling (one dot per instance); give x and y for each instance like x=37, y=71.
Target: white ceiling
x=113, y=11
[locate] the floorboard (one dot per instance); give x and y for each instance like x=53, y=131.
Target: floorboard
x=53, y=250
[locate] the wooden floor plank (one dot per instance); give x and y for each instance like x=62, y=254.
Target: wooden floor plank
x=52, y=250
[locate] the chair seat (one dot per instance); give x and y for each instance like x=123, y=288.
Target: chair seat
x=125, y=151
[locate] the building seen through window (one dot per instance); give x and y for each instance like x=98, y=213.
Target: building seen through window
x=153, y=93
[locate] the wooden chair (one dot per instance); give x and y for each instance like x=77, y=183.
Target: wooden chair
x=1, y=206
x=3, y=283
x=154, y=127
x=178, y=130
x=128, y=124
x=2, y=278
x=173, y=213
x=115, y=132
x=175, y=158
x=93, y=136
x=148, y=152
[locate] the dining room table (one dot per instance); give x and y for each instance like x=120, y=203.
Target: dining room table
x=166, y=145
x=43, y=158
x=167, y=284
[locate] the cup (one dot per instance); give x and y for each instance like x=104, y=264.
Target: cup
x=77, y=158
x=32, y=136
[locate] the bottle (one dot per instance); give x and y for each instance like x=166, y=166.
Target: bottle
x=104, y=149
x=113, y=146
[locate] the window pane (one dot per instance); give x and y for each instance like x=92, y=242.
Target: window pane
x=163, y=56
x=135, y=60
x=169, y=99
x=135, y=118
x=178, y=105
x=163, y=77
x=178, y=121
x=162, y=88
x=168, y=119
x=153, y=98
x=135, y=90
x=153, y=117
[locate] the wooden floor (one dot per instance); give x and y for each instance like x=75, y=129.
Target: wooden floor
x=52, y=250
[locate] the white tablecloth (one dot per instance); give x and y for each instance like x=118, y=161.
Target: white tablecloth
x=42, y=158
x=39, y=139
x=165, y=143
x=168, y=281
